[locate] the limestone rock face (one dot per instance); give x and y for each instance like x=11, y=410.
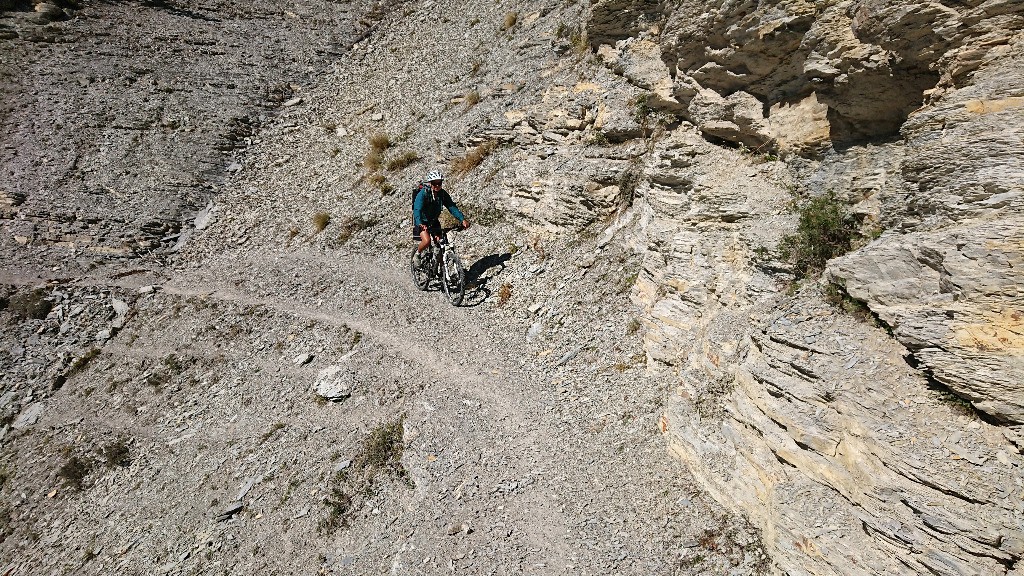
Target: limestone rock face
x=857, y=450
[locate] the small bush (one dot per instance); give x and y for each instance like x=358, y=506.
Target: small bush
x=504, y=294
x=74, y=471
x=473, y=158
x=30, y=305
x=825, y=230
x=320, y=221
x=380, y=142
x=472, y=98
x=402, y=160
x=116, y=453
x=510, y=20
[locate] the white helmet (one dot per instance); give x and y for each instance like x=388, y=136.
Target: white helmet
x=435, y=175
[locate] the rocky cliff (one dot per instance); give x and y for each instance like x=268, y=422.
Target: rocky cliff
x=863, y=415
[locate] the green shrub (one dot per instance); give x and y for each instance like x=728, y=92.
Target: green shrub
x=642, y=108
x=825, y=230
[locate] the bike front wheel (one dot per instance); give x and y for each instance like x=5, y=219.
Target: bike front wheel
x=453, y=277
x=420, y=274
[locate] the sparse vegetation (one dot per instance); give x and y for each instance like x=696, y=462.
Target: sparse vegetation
x=641, y=108
x=473, y=158
x=510, y=20
x=320, y=221
x=381, y=454
x=825, y=230
x=839, y=298
x=627, y=281
x=578, y=40
x=402, y=160
x=472, y=98
x=959, y=405
x=484, y=214
x=349, y=226
x=273, y=429
x=474, y=68
x=30, y=305
x=82, y=361
x=74, y=471
x=632, y=327
x=116, y=453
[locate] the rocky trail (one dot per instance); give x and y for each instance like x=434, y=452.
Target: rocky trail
x=517, y=460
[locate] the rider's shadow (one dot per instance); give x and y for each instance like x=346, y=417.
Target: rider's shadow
x=479, y=274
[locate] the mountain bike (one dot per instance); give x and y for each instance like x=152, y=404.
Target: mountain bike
x=440, y=262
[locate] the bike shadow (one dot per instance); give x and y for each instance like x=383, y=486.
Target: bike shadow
x=479, y=274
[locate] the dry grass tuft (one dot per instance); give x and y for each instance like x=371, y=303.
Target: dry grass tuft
x=373, y=160
x=320, y=221
x=473, y=158
x=472, y=98
x=504, y=293
x=402, y=160
x=510, y=20
x=380, y=142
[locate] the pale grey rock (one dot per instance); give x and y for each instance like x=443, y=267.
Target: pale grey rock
x=28, y=416
x=204, y=217
x=334, y=382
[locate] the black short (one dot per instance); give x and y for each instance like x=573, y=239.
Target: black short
x=433, y=227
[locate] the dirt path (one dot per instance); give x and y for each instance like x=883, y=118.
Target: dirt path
x=536, y=455
x=560, y=483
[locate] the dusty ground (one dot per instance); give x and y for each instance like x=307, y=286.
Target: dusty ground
x=514, y=464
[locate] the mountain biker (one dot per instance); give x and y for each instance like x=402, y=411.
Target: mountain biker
x=426, y=211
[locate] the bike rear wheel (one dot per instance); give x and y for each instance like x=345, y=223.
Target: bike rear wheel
x=421, y=273
x=453, y=277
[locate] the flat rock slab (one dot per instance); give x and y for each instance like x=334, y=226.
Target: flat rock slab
x=28, y=416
